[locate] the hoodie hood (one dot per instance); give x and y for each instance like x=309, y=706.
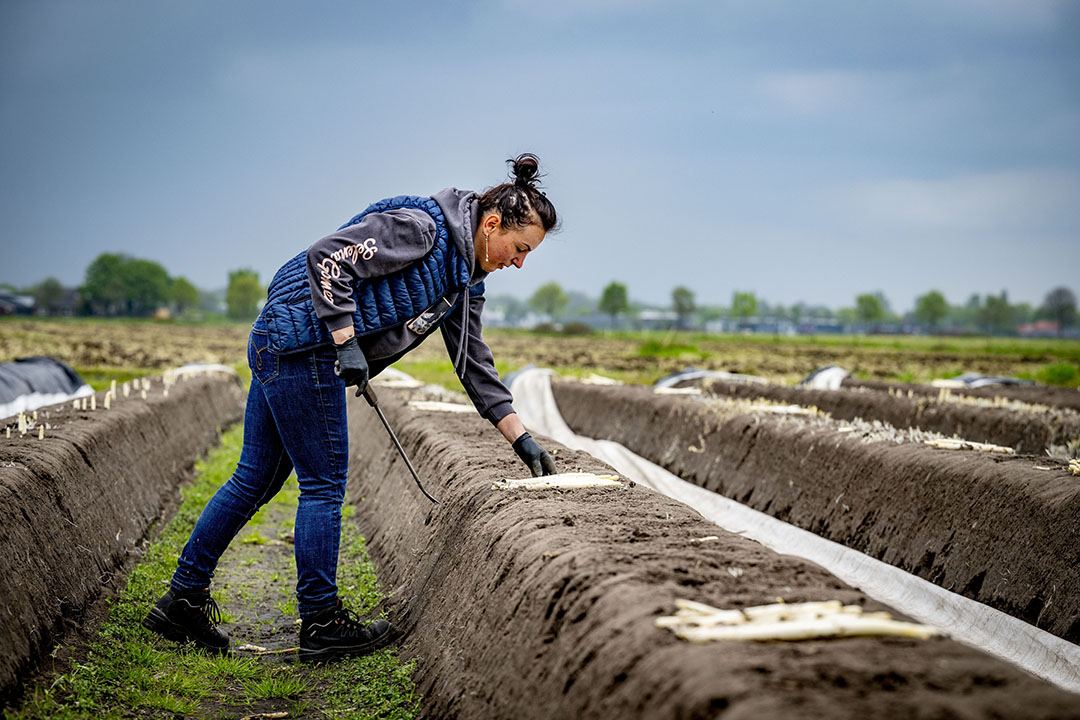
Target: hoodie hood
x=461, y=210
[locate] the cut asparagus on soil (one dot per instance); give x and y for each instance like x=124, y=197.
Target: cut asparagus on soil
x=826, y=627
x=698, y=622
x=969, y=445
x=562, y=481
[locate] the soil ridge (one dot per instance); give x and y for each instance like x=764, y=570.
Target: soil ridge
x=537, y=604
x=993, y=528
x=1061, y=397
x=1031, y=430
x=76, y=504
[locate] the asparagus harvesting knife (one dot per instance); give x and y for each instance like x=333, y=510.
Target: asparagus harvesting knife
x=373, y=401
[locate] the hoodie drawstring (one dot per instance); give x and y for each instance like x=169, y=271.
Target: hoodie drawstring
x=461, y=362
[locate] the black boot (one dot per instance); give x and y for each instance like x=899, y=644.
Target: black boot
x=188, y=616
x=336, y=631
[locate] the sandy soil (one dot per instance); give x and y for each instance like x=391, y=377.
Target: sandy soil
x=995, y=528
x=541, y=604
x=1068, y=398
x=75, y=505
x=1031, y=429
x=781, y=360
x=116, y=343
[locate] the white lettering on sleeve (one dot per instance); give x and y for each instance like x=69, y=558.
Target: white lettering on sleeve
x=330, y=270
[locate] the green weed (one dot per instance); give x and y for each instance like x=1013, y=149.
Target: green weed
x=658, y=348
x=235, y=667
x=279, y=685
x=440, y=371
x=287, y=606
x=100, y=378
x=379, y=683
x=170, y=703
x=357, y=584
x=1063, y=373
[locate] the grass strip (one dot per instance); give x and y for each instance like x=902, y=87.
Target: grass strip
x=128, y=672
x=439, y=370
x=101, y=377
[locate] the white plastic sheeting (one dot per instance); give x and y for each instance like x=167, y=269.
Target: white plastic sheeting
x=829, y=377
x=29, y=383
x=191, y=369
x=737, y=378
x=970, y=622
x=33, y=401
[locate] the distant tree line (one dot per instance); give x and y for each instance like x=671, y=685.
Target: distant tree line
x=871, y=312
x=116, y=285
x=120, y=285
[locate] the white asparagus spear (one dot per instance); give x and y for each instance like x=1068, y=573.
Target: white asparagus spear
x=701, y=615
x=562, y=481
x=832, y=626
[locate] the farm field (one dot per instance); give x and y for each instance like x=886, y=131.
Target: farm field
x=542, y=604
x=104, y=349
x=646, y=357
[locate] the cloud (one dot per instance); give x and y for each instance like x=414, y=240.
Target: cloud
x=561, y=10
x=813, y=93
x=1021, y=200
x=1009, y=14
x=927, y=93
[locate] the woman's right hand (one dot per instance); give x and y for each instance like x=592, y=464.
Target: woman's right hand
x=351, y=365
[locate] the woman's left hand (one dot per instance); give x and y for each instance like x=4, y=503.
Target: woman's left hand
x=534, y=456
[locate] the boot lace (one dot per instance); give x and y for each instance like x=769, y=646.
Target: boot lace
x=348, y=624
x=207, y=607
x=211, y=610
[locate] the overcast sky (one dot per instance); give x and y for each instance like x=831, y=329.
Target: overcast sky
x=802, y=150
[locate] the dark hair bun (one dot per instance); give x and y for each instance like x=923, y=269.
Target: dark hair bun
x=526, y=169
x=520, y=203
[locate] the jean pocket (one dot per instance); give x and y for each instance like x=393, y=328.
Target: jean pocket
x=264, y=363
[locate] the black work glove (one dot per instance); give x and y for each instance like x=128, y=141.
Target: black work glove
x=351, y=365
x=534, y=456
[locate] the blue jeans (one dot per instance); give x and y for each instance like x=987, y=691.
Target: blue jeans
x=295, y=418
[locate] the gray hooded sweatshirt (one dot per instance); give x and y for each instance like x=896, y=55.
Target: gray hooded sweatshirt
x=383, y=243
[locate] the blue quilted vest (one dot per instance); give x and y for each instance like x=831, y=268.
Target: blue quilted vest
x=381, y=302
